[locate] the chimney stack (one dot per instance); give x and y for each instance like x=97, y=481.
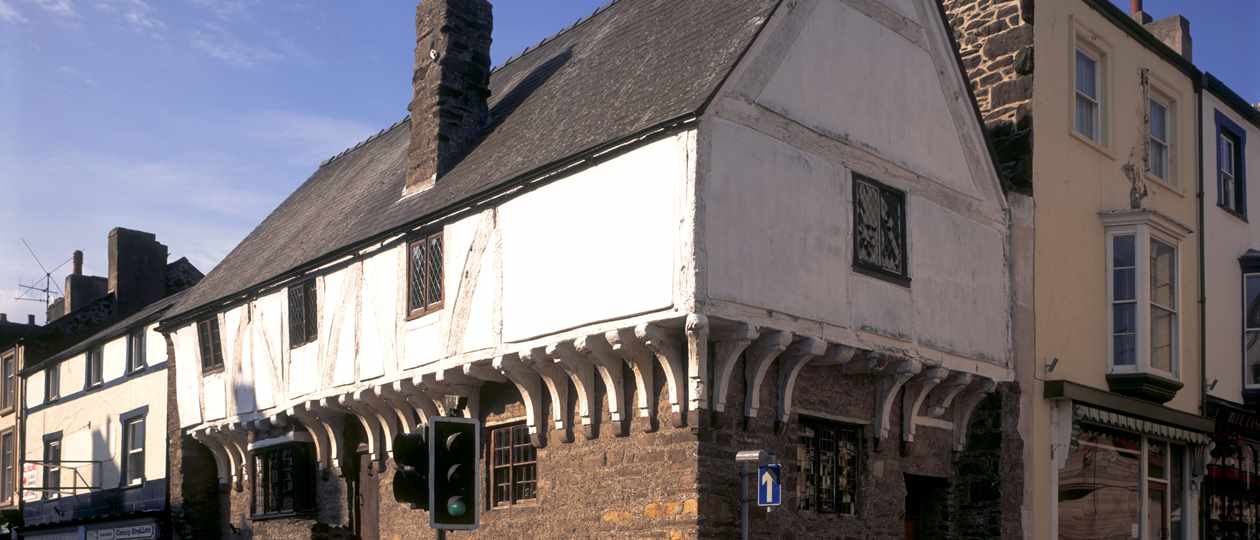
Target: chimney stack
x=4, y=317
x=1174, y=31
x=137, y=269
x=78, y=263
x=30, y=319
x=450, y=87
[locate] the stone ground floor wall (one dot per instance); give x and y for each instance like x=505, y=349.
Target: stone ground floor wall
x=659, y=481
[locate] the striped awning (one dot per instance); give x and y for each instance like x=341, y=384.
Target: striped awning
x=1129, y=423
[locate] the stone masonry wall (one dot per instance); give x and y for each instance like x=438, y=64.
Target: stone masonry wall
x=986, y=495
x=881, y=481
x=995, y=40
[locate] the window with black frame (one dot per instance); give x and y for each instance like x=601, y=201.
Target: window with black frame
x=8, y=466
x=133, y=451
x=828, y=455
x=52, y=466
x=8, y=396
x=210, y=344
x=284, y=480
x=513, y=465
x=135, y=351
x=303, y=314
x=93, y=372
x=879, y=230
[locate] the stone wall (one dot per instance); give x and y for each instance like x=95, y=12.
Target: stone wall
x=989, y=482
x=995, y=40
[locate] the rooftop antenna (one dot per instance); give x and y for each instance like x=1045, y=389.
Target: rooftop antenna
x=46, y=285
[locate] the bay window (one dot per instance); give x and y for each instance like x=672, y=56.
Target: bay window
x=1251, y=330
x=1143, y=298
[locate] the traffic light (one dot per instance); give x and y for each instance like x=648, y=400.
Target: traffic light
x=411, y=477
x=454, y=445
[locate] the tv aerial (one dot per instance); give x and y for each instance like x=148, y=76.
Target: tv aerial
x=45, y=286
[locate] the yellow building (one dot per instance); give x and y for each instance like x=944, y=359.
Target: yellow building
x=1105, y=256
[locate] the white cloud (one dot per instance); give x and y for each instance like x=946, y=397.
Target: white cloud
x=224, y=46
x=136, y=13
x=225, y=9
x=10, y=14
x=306, y=139
x=60, y=8
x=77, y=75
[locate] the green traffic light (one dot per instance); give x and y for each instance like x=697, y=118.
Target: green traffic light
x=455, y=506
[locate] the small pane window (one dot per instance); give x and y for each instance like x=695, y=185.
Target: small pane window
x=1124, y=300
x=1251, y=328
x=210, y=343
x=52, y=467
x=1087, y=96
x=285, y=479
x=133, y=451
x=879, y=221
x=52, y=382
x=135, y=351
x=1159, y=156
x=1163, y=306
x=828, y=457
x=8, y=474
x=514, y=467
x=93, y=367
x=303, y=314
x=8, y=396
x=1232, y=191
x=424, y=274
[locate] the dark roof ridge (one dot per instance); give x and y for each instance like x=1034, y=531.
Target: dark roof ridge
x=359, y=144
x=561, y=32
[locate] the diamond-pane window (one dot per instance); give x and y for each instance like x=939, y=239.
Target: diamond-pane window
x=828, y=459
x=424, y=274
x=303, y=314
x=879, y=222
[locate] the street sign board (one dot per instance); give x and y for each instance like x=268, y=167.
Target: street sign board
x=769, y=487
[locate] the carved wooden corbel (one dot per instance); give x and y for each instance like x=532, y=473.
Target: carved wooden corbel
x=792, y=361
x=730, y=341
x=698, y=388
x=223, y=465
x=966, y=404
x=367, y=420
x=529, y=384
x=483, y=372
x=452, y=381
x=385, y=415
x=318, y=436
x=390, y=395
x=235, y=452
x=757, y=360
x=425, y=403
x=612, y=370
x=917, y=391
x=1061, y=420
x=557, y=383
x=669, y=352
x=940, y=399
x=625, y=344
x=581, y=371
x=326, y=427
x=888, y=382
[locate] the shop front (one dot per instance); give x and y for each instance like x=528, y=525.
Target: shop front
x=1125, y=468
x=1232, y=489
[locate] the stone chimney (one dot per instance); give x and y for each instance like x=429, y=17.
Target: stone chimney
x=450, y=87
x=78, y=263
x=137, y=269
x=1174, y=31
x=4, y=318
x=81, y=290
x=30, y=319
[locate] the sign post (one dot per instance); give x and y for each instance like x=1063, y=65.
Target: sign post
x=769, y=487
x=760, y=457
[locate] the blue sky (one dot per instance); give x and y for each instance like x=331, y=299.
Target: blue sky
x=194, y=118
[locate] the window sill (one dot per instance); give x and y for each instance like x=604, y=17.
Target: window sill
x=212, y=371
x=1168, y=185
x=882, y=275
x=1144, y=385
x=528, y=503
x=1099, y=147
x=421, y=313
x=1232, y=212
x=302, y=515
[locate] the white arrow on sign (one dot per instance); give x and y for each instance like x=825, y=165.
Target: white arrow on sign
x=767, y=481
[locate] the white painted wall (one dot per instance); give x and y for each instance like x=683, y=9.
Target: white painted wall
x=1230, y=238
x=609, y=231
x=847, y=92
x=89, y=420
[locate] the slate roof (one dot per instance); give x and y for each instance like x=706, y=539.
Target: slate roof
x=633, y=65
x=147, y=315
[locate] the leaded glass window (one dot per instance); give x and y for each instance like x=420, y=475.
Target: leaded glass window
x=303, y=314
x=210, y=343
x=424, y=274
x=514, y=465
x=879, y=228
x=828, y=457
x=285, y=479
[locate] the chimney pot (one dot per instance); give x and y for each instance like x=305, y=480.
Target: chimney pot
x=450, y=86
x=78, y=263
x=30, y=319
x=4, y=317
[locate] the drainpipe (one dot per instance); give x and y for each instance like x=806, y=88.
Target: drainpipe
x=1203, y=382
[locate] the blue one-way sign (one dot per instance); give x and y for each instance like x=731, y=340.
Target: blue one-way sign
x=769, y=489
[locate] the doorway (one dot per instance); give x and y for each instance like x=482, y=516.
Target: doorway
x=927, y=508
x=362, y=485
